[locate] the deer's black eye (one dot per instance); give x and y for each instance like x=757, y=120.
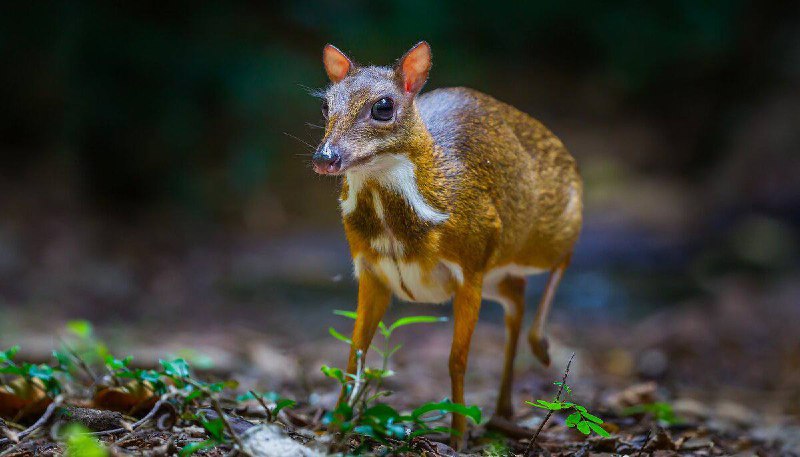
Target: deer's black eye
x=325, y=108
x=383, y=110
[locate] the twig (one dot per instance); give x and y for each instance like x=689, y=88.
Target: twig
x=136, y=424
x=81, y=363
x=218, y=409
x=646, y=440
x=549, y=412
x=263, y=404
x=42, y=420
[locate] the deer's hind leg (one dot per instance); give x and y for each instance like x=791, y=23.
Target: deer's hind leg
x=536, y=336
x=509, y=292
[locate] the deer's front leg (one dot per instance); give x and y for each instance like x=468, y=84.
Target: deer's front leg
x=466, y=307
x=373, y=300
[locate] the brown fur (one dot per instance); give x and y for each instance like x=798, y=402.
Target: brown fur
x=505, y=180
x=510, y=189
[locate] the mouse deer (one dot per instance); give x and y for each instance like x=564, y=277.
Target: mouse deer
x=450, y=194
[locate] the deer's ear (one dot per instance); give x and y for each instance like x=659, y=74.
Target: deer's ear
x=337, y=65
x=414, y=66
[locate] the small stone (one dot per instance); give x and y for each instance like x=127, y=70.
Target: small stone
x=693, y=444
x=686, y=407
x=269, y=440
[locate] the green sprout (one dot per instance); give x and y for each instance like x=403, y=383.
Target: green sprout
x=216, y=432
x=360, y=414
x=660, y=410
x=580, y=418
x=80, y=442
x=41, y=376
x=279, y=403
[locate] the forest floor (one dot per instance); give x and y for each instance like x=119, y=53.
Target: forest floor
x=718, y=379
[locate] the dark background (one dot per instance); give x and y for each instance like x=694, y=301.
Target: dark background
x=155, y=172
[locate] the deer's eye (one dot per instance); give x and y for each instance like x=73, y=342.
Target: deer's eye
x=383, y=110
x=325, y=108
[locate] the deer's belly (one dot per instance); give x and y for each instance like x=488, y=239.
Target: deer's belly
x=411, y=281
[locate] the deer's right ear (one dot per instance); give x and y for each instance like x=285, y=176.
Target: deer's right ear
x=337, y=65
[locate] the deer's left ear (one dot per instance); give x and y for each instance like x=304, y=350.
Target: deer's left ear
x=414, y=66
x=337, y=65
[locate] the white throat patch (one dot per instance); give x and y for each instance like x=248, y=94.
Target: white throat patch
x=394, y=172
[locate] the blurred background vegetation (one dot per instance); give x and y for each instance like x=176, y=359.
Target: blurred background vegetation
x=156, y=155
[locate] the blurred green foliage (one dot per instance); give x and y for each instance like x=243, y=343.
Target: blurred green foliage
x=187, y=103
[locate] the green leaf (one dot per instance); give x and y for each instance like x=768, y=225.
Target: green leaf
x=573, y=419
x=566, y=386
x=245, y=396
x=7, y=355
x=365, y=430
x=661, y=410
x=13, y=369
x=592, y=417
x=177, y=368
x=339, y=336
x=197, y=393
x=80, y=328
x=64, y=361
x=415, y=320
x=579, y=408
x=81, y=444
x=598, y=429
x=148, y=375
x=283, y=403
x=472, y=412
x=396, y=430
x=382, y=413
x=333, y=372
x=583, y=427
x=384, y=331
x=339, y=416
x=117, y=364
x=551, y=406
x=191, y=448
x=215, y=428
x=43, y=372
x=374, y=373
x=348, y=314
x=222, y=385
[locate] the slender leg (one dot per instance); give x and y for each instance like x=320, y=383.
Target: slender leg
x=512, y=292
x=373, y=300
x=466, y=307
x=536, y=337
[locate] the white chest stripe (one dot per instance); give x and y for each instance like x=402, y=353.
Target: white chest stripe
x=394, y=172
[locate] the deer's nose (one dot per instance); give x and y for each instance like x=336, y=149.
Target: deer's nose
x=327, y=159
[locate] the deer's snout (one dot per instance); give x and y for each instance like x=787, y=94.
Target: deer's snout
x=327, y=159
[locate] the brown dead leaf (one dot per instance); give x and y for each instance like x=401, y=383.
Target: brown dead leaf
x=23, y=401
x=662, y=441
x=131, y=398
x=636, y=394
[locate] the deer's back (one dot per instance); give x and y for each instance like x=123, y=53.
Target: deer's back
x=505, y=162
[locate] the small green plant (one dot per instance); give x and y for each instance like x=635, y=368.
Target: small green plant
x=497, y=447
x=80, y=442
x=580, y=418
x=661, y=411
x=83, y=363
x=35, y=376
x=120, y=369
x=216, y=432
x=361, y=414
x=278, y=402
